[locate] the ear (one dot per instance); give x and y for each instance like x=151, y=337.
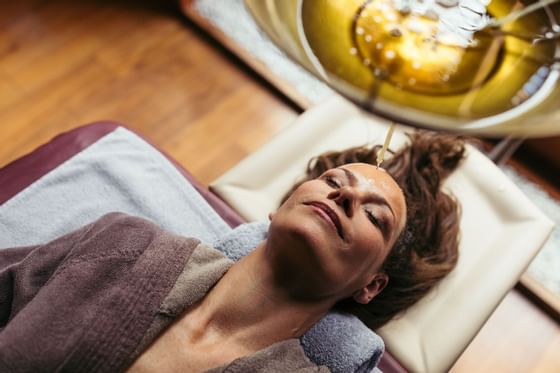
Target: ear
x=366, y=294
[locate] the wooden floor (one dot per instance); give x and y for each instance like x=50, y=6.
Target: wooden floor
x=65, y=63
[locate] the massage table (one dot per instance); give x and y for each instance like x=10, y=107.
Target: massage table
x=426, y=338
x=90, y=171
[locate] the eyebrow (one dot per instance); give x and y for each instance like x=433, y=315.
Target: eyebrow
x=377, y=198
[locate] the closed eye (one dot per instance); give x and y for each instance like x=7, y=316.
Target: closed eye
x=331, y=181
x=373, y=219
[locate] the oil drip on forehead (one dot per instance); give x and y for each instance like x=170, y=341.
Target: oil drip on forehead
x=380, y=182
x=371, y=176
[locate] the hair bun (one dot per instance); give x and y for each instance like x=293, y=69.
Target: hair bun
x=430, y=158
x=443, y=152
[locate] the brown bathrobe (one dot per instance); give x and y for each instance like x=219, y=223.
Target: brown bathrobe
x=94, y=300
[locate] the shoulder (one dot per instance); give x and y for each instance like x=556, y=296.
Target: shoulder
x=125, y=221
x=118, y=224
x=119, y=233
x=283, y=356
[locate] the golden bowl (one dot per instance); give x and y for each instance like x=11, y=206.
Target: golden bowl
x=456, y=65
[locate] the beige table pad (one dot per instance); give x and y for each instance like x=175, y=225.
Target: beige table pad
x=501, y=230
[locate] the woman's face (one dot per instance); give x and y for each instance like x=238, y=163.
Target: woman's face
x=334, y=232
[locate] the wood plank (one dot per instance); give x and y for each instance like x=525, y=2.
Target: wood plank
x=10, y=92
x=540, y=295
x=127, y=61
x=518, y=337
x=286, y=88
x=198, y=140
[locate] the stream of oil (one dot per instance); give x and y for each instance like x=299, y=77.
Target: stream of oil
x=381, y=153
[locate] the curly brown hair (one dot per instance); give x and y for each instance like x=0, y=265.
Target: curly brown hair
x=427, y=248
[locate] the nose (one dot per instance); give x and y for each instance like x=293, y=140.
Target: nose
x=347, y=198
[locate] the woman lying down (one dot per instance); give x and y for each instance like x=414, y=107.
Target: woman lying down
x=121, y=294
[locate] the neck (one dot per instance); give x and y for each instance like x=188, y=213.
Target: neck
x=249, y=308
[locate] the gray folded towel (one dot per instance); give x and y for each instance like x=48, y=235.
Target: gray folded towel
x=340, y=341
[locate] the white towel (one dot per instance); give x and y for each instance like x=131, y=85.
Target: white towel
x=119, y=172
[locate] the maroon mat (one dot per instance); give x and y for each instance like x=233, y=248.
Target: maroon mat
x=22, y=172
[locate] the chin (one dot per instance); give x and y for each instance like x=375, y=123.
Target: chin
x=295, y=233
x=305, y=253
x=300, y=238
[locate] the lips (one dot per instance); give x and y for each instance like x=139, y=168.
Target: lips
x=329, y=212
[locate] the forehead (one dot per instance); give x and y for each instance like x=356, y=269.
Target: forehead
x=380, y=182
x=374, y=176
